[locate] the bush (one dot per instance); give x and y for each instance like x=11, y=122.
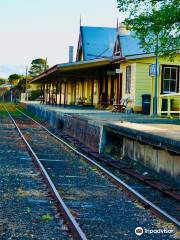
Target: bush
x=34, y=95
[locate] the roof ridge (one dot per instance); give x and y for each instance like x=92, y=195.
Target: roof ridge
x=98, y=27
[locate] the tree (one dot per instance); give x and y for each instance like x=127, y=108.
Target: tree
x=157, y=25
x=15, y=78
x=21, y=86
x=155, y=22
x=2, y=81
x=38, y=66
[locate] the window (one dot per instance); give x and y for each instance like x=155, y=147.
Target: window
x=128, y=79
x=170, y=79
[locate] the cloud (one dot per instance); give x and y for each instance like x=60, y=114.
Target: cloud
x=6, y=70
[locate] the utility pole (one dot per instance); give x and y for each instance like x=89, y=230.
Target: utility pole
x=45, y=68
x=156, y=79
x=26, y=92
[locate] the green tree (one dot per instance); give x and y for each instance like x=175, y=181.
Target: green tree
x=155, y=22
x=15, y=78
x=21, y=86
x=2, y=81
x=38, y=66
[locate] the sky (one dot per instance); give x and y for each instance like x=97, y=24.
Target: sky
x=32, y=29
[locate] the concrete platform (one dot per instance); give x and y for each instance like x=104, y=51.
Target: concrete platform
x=161, y=130
x=154, y=142
x=165, y=136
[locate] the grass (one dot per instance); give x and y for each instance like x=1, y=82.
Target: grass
x=12, y=108
x=47, y=217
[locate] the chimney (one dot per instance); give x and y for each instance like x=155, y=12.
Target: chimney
x=71, y=49
x=123, y=30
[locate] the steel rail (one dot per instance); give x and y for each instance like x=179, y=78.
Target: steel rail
x=163, y=214
x=75, y=229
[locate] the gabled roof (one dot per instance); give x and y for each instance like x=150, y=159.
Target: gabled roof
x=96, y=42
x=128, y=45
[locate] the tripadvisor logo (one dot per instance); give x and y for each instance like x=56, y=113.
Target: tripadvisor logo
x=139, y=231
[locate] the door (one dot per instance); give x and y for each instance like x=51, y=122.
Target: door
x=112, y=91
x=119, y=88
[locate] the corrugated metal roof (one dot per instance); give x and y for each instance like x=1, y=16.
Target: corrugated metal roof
x=98, y=42
x=69, y=67
x=130, y=45
x=79, y=63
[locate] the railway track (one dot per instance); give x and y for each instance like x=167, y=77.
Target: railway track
x=166, y=196
x=24, y=199
x=94, y=201
x=76, y=231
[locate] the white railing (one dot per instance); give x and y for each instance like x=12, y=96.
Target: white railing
x=168, y=96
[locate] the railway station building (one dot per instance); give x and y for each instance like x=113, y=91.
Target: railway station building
x=110, y=68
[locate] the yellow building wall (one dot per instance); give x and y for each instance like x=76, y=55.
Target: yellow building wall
x=77, y=91
x=141, y=83
x=34, y=86
x=62, y=93
x=176, y=104
x=69, y=93
x=131, y=95
x=89, y=91
x=95, y=92
x=109, y=87
x=86, y=90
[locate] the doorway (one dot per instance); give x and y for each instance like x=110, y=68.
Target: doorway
x=119, y=88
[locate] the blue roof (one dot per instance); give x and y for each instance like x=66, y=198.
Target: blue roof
x=130, y=45
x=98, y=42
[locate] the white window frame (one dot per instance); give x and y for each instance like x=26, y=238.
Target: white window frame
x=170, y=79
x=128, y=81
